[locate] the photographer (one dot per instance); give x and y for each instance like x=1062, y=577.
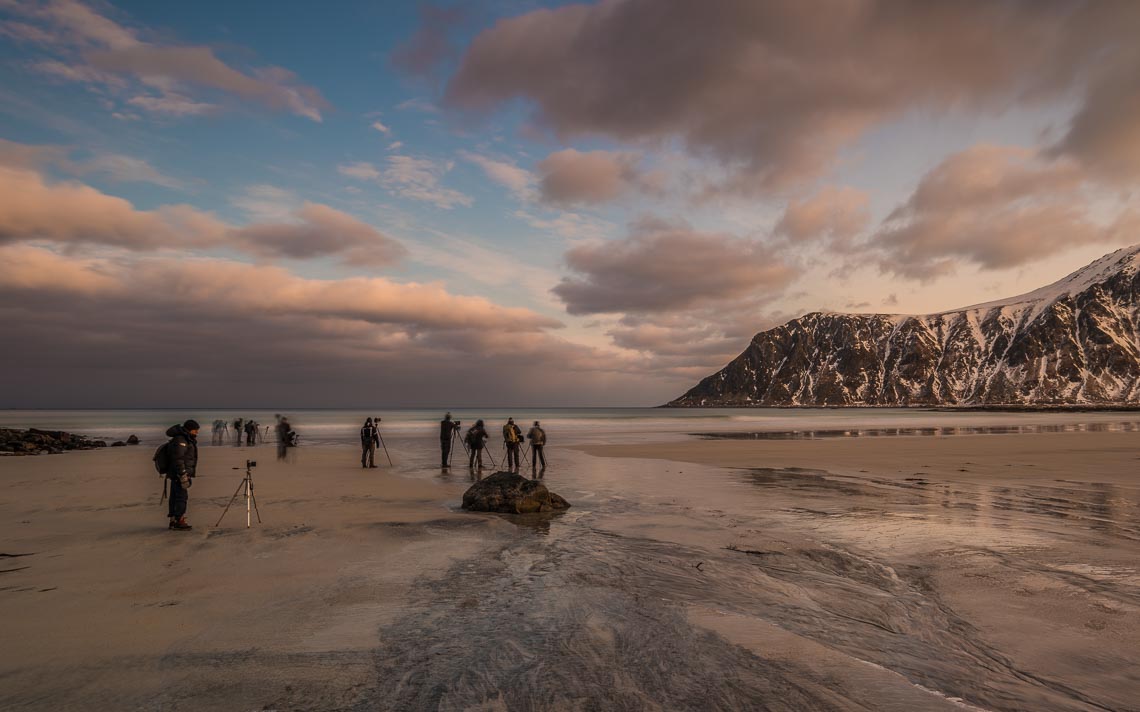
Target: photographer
x=369, y=439
x=512, y=439
x=447, y=428
x=476, y=439
x=183, y=454
x=537, y=438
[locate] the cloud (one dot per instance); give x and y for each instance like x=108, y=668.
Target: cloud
x=30, y=212
x=172, y=104
x=994, y=207
x=211, y=333
x=419, y=179
x=836, y=215
x=417, y=104
x=97, y=50
x=381, y=128
x=773, y=90
x=518, y=180
x=424, y=53
x=411, y=177
x=570, y=176
x=661, y=267
x=319, y=230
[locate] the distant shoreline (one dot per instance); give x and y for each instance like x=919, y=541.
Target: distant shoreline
x=1011, y=408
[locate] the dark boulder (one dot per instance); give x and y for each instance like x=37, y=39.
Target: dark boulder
x=118, y=443
x=508, y=493
x=133, y=440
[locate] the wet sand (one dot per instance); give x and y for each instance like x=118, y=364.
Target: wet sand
x=904, y=573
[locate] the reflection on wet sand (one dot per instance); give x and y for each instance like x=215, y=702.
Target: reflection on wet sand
x=914, y=592
x=936, y=431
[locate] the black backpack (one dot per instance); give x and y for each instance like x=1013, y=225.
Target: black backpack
x=162, y=458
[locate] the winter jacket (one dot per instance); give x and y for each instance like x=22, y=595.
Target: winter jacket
x=369, y=434
x=183, y=452
x=476, y=437
x=537, y=436
x=446, y=428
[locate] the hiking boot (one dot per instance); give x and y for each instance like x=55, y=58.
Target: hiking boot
x=180, y=524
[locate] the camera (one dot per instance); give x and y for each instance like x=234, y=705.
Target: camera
x=251, y=463
x=458, y=423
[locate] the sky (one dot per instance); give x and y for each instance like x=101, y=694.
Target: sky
x=515, y=203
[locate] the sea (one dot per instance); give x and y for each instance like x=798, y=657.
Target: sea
x=583, y=425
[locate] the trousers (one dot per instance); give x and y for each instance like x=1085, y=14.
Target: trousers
x=179, y=497
x=368, y=454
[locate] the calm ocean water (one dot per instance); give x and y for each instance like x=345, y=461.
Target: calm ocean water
x=577, y=424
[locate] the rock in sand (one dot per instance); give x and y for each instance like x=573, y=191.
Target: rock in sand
x=508, y=493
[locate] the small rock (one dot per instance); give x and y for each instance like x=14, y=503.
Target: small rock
x=133, y=440
x=118, y=443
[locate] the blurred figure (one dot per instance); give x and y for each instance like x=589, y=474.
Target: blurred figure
x=221, y=430
x=285, y=436
x=369, y=439
x=239, y=424
x=476, y=439
x=447, y=430
x=250, y=432
x=512, y=439
x=537, y=437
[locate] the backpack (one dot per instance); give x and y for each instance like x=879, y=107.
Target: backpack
x=162, y=458
x=509, y=433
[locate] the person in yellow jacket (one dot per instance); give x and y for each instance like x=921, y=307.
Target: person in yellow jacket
x=512, y=439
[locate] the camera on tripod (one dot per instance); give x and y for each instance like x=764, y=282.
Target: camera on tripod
x=250, y=463
x=458, y=423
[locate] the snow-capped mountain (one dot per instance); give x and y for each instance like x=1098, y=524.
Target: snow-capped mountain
x=1076, y=341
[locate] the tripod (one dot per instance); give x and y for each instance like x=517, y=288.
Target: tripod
x=246, y=482
x=451, y=450
x=385, y=447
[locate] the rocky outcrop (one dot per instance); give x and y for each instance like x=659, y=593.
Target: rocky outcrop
x=1075, y=342
x=43, y=442
x=133, y=439
x=508, y=493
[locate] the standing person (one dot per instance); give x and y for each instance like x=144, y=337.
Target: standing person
x=238, y=424
x=183, y=454
x=284, y=436
x=447, y=428
x=218, y=437
x=512, y=438
x=476, y=438
x=250, y=432
x=369, y=439
x=537, y=438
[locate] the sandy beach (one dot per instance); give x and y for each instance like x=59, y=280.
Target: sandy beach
x=891, y=573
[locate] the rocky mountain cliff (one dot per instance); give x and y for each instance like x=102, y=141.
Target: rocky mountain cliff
x=1074, y=342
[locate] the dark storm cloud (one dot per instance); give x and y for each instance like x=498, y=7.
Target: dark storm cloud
x=774, y=89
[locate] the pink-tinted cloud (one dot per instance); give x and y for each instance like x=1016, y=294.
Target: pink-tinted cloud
x=995, y=207
x=773, y=90
x=121, y=330
x=318, y=231
x=97, y=50
x=664, y=267
x=835, y=215
x=569, y=176
x=30, y=212
x=425, y=52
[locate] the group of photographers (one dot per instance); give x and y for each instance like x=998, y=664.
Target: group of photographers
x=180, y=459
x=475, y=440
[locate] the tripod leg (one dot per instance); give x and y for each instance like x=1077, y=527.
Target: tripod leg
x=385, y=448
x=254, y=500
x=236, y=492
x=490, y=457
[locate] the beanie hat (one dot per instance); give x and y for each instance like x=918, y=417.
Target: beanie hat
x=191, y=425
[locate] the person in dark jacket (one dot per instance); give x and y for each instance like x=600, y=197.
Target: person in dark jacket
x=512, y=439
x=183, y=466
x=447, y=428
x=476, y=438
x=284, y=436
x=250, y=432
x=537, y=438
x=369, y=439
